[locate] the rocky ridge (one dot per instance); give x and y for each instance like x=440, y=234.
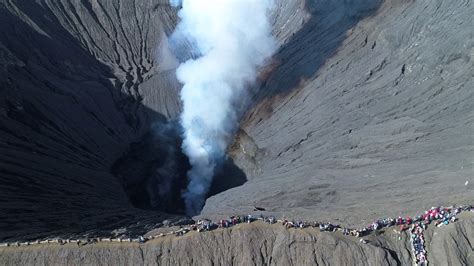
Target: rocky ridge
x=259, y=244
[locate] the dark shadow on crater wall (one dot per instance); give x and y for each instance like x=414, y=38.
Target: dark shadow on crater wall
x=55, y=178
x=154, y=171
x=63, y=124
x=308, y=49
x=227, y=175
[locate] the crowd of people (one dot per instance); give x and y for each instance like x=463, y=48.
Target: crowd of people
x=439, y=216
x=418, y=244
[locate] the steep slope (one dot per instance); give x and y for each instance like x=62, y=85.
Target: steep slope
x=374, y=118
x=73, y=75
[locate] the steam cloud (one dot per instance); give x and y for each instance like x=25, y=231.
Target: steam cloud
x=232, y=39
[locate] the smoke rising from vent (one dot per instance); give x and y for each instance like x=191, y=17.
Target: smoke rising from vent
x=231, y=40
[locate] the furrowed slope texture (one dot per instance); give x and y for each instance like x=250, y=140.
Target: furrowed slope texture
x=79, y=82
x=368, y=113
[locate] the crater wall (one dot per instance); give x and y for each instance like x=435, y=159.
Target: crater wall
x=369, y=113
x=368, y=103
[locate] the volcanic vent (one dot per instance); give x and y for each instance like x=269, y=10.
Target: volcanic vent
x=154, y=171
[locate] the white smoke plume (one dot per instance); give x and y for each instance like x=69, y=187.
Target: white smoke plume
x=233, y=39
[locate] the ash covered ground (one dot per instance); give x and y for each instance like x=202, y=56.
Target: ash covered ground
x=366, y=111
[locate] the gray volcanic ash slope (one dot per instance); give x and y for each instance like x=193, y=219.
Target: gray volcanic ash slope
x=369, y=112
x=366, y=111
